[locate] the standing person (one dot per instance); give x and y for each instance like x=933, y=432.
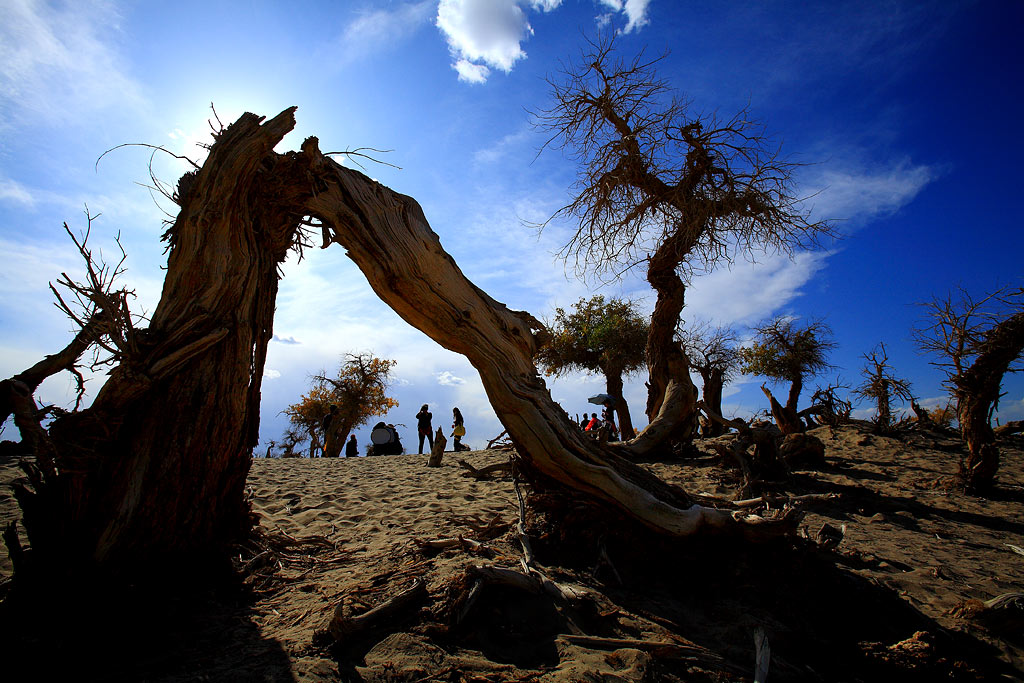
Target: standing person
x=593, y=424
x=328, y=426
x=458, y=430
x=423, y=427
x=351, y=448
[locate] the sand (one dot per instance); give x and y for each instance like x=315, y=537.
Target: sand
x=910, y=554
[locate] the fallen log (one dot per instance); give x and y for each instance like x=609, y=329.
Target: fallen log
x=395, y=609
x=486, y=471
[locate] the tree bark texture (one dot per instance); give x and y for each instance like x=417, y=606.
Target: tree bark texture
x=977, y=390
x=153, y=474
x=714, y=384
x=613, y=387
x=156, y=467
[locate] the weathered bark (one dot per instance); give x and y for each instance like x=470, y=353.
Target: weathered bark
x=714, y=384
x=977, y=390
x=786, y=418
x=389, y=239
x=613, y=387
x=155, y=469
x=152, y=475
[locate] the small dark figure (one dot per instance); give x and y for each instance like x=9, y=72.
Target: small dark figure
x=351, y=448
x=584, y=421
x=458, y=431
x=424, y=428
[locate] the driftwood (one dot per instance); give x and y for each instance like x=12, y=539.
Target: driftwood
x=659, y=648
x=395, y=609
x=784, y=500
x=486, y=471
x=467, y=544
x=437, y=450
x=495, y=440
x=1013, y=427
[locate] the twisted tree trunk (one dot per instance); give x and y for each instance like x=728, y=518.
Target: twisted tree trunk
x=977, y=390
x=154, y=470
x=152, y=475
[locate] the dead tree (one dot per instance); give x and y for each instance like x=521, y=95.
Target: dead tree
x=881, y=386
x=152, y=475
x=977, y=341
x=662, y=187
x=714, y=354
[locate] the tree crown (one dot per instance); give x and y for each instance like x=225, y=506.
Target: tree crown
x=710, y=349
x=652, y=173
x=359, y=390
x=785, y=351
x=595, y=336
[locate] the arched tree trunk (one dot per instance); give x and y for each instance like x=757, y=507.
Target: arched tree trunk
x=977, y=390
x=153, y=474
x=155, y=469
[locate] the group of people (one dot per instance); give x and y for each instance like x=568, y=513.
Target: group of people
x=593, y=423
x=426, y=431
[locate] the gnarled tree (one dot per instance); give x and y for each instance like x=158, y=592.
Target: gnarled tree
x=714, y=354
x=881, y=386
x=784, y=351
x=152, y=474
x=977, y=341
x=668, y=189
x=358, y=391
x=598, y=336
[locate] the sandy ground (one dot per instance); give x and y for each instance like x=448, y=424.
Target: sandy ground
x=911, y=552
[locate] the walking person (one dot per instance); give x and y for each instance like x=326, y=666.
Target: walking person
x=458, y=430
x=424, y=428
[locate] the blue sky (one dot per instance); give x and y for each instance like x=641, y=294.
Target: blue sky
x=906, y=113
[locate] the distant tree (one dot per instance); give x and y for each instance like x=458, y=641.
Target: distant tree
x=784, y=351
x=359, y=391
x=714, y=354
x=598, y=336
x=833, y=409
x=661, y=186
x=976, y=342
x=881, y=386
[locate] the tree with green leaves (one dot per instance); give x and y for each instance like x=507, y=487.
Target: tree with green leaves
x=598, y=336
x=669, y=189
x=786, y=351
x=976, y=341
x=358, y=392
x=881, y=386
x=714, y=354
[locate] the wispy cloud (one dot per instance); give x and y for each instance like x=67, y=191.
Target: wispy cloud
x=635, y=12
x=372, y=33
x=285, y=340
x=58, y=61
x=16, y=193
x=487, y=34
x=862, y=193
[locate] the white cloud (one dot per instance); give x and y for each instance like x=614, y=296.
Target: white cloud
x=375, y=32
x=635, y=11
x=446, y=378
x=865, y=193
x=57, y=62
x=487, y=34
x=470, y=72
x=14, y=192
x=271, y=374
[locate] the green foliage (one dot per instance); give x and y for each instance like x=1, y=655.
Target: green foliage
x=359, y=390
x=595, y=336
x=784, y=351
